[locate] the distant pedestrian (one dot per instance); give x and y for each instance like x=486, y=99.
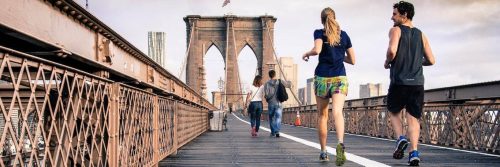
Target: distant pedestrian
x=330, y=80
x=254, y=98
x=274, y=107
x=408, y=51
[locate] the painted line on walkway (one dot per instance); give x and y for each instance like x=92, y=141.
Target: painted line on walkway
x=428, y=145
x=351, y=157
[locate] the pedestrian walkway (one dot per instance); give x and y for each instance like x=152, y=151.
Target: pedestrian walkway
x=298, y=146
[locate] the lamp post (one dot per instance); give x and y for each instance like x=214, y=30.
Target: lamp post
x=221, y=87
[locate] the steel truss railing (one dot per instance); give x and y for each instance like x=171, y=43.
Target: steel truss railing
x=473, y=125
x=54, y=115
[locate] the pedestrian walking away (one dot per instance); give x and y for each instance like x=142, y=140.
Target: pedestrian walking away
x=274, y=106
x=254, y=99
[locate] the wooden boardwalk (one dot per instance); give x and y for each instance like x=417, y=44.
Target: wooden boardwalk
x=236, y=147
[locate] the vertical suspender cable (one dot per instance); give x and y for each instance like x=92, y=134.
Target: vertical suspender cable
x=235, y=54
x=183, y=66
x=279, y=65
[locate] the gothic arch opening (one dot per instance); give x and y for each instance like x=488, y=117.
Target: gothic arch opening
x=214, y=70
x=247, y=67
x=231, y=35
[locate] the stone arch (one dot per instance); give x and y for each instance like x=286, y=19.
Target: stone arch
x=230, y=34
x=256, y=51
x=217, y=45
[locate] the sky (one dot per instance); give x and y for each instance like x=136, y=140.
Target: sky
x=464, y=35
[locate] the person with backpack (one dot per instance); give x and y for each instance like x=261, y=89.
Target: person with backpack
x=275, y=94
x=330, y=80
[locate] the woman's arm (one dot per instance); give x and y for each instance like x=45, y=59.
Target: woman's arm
x=318, y=44
x=249, y=95
x=351, y=57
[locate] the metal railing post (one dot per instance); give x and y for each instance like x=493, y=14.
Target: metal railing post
x=156, y=138
x=114, y=120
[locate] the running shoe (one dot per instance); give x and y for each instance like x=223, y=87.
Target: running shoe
x=401, y=145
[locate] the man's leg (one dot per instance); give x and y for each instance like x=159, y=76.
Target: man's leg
x=397, y=99
x=277, y=122
x=396, y=124
x=413, y=130
x=270, y=109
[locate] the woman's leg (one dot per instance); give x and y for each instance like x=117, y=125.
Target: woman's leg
x=337, y=107
x=258, y=112
x=322, y=121
x=251, y=113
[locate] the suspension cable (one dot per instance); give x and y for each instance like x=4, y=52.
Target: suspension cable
x=235, y=54
x=279, y=65
x=183, y=65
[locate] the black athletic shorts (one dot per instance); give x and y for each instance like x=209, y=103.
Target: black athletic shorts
x=410, y=97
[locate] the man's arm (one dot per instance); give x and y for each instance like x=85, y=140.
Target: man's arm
x=287, y=84
x=429, y=57
x=394, y=35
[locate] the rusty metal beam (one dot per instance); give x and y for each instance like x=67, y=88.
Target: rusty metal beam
x=91, y=42
x=455, y=94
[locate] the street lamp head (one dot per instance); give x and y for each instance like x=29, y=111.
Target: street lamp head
x=220, y=83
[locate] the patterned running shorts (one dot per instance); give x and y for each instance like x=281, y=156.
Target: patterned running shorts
x=325, y=87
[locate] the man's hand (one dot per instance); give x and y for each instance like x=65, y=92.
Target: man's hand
x=387, y=64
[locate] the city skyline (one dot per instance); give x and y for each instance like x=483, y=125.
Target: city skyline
x=156, y=47
x=460, y=40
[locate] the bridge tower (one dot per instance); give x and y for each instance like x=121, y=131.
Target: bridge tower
x=229, y=34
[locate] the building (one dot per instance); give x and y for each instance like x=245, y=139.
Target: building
x=291, y=74
x=217, y=99
x=302, y=95
x=156, y=47
x=370, y=90
x=310, y=97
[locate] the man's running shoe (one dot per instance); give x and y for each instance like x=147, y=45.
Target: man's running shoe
x=401, y=145
x=323, y=157
x=340, y=154
x=414, y=158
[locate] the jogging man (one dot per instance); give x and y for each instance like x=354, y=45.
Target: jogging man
x=408, y=51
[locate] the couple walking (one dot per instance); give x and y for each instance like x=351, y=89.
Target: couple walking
x=408, y=51
x=256, y=94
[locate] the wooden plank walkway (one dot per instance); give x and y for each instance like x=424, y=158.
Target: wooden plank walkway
x=236, y=147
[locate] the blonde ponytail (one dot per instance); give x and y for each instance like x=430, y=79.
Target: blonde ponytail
x=331, y=26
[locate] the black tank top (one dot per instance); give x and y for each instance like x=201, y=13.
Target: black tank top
x=406, y=68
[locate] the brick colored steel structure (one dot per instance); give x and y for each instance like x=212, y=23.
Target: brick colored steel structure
x=229, y=34
x=75, y=93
